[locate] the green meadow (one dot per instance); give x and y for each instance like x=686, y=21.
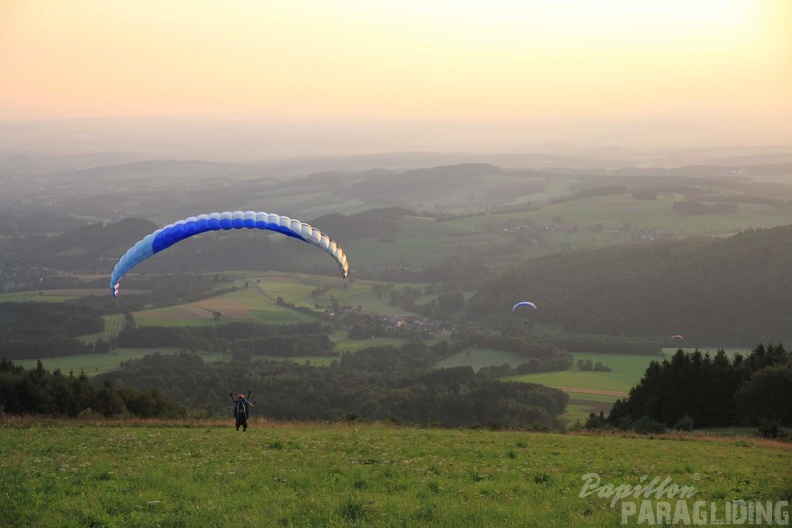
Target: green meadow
x=93, y=364
x=423, y=241
x=36, y=296
x=627, y=371
x=317, y=361
x=481, y=357
x=258, y=300
x=577, y=411
x=197, y=474
x=113, y=324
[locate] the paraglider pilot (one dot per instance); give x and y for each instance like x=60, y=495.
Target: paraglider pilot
x=241, y=410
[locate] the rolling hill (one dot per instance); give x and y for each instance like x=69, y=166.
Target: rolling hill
x=730, y=291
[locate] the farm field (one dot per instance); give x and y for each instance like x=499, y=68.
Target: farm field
x=627, y=371
x=577, y=413
x=93, y=364
x=143, y=473
x=481, y=357
x=423, y=241
x=623, y=209
x=318, y=361
x=55, y=295
x=588, y=391
x=113, y=324
x=258, y=300
x=41, y=296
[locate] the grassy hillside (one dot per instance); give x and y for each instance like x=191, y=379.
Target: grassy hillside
x=195, y=474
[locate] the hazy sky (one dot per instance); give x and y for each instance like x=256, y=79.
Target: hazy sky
x=726, y=61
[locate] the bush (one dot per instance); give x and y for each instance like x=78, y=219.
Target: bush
x=684, y=424
x=625, y=424
x=770, y=429
x=645, y=425
x=595, y=421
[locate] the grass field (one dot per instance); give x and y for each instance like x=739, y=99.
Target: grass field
x=481, y=234
x=93, y=364
x=113, y=324
x=596, y=391
x=257, y=301
x=578, y=412
x=481, y=357
x=627, y=371
x=53, y=296
x=59, y=295
x=344, y=344
x=318, y=361
x=194, y=474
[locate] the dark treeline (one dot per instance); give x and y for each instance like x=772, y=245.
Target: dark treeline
x=67, y=319
x=38, y=391
x=32, y=347
x=711, y=390
x=607, y=345
x=732, y=291
x=96, y=242
x=243, y=339
x=380, y=383
x=30, y=330
x=380, y=223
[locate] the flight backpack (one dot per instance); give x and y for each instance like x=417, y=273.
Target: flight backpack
x=240, y=407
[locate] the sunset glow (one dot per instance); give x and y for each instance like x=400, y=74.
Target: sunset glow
x=413, y=59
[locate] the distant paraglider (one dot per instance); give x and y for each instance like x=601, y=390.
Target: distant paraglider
x=164, y=238
x=524, y=303
x=677, y=336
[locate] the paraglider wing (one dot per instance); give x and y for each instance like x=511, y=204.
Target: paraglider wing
x=524, y=303
x=677, y=336
x=169, y=235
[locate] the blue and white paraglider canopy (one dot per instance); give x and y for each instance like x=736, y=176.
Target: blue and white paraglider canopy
x=169, y=235
x=524, y=303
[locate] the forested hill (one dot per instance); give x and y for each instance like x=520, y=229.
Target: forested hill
x=732, y=291
x=376, y=383
x=80, y=247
